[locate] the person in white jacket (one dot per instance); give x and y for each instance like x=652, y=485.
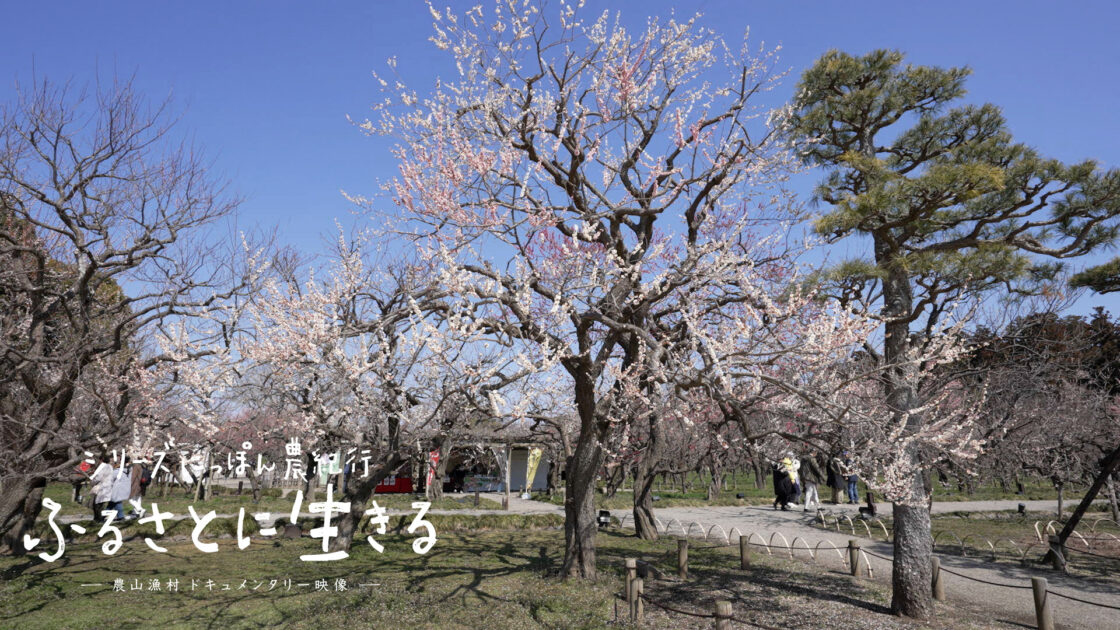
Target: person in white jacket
x=101, y=486
x=122, y=488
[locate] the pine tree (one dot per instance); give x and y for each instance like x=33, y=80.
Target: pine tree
x=1104, y=278
x=949, y=207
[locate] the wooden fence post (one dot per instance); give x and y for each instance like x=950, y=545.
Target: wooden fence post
x=744, y=553
x=638, y=610
x=723, y=615
x=1041, y=604
x=938, y=582
x=853, y=556
x=682, y=558
x=631, y=575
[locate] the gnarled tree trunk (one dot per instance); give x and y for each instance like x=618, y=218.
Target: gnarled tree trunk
x=20, y=503
x=715, y=484
x=580, y=525
x=644, y=474
x=359, y=496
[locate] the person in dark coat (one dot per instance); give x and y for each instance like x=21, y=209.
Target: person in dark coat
x=836, y=480
x=784, y=490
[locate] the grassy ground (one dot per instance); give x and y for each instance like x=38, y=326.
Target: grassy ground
x=476, y=579
x=671, y=494
x=624, y=500
x=1035, y=490
x=1010, y=537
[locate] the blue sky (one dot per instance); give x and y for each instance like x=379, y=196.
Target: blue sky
x=265, y=87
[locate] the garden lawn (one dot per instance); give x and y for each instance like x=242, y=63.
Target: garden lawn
x=1011, y=537
x=493, y=579
x=670, y=494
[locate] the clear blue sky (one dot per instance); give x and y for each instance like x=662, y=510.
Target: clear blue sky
x=265, y=87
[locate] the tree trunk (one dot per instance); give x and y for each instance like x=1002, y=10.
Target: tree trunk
x=645, y=527
x=254, y=483
x=1112, y=500
x=208, y=475
x=715, y=484
x=615, y=477
x=359, y=497
x=580, y=525
x=199, y=487
x=911, y=572
x=913, y=546
x=759, y=469
x=553, y=472
x=582, y=470
x=1061, y=498
x=309, y=476
x=1110, y=464
x=20, y=503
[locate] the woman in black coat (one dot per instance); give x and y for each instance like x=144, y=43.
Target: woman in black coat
x=783, y=487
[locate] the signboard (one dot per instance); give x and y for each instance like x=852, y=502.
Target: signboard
x=482, y=483
x=394, y=484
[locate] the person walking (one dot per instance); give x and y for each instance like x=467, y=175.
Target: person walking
x=121, y=489
x=811, y=477
x=783, y=486
x=790, y=467
x=852, y=479
x=101, y=487
x=136, y=489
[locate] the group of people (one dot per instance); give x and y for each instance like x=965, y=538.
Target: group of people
x=794, y=479
x=111, y=487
